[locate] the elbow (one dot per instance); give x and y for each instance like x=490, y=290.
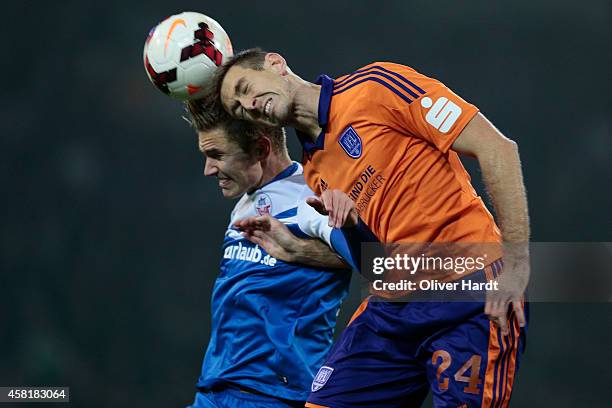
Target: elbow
x=501, y=153
x=507, y=143
x=507, y=148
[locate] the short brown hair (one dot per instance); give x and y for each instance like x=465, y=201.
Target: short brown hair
x=206, y=114
x=252, y=58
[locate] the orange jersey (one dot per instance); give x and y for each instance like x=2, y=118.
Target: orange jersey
x=386, y=139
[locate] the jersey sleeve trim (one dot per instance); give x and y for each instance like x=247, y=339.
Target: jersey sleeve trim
x=297, y=231
x=343, y=85
x=380, y=81
x=292, y=212
x=347, y=242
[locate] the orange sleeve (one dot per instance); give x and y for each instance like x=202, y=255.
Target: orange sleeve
x=419, y=106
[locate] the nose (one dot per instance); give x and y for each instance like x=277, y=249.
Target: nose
x=249, y=103
x=210, y=167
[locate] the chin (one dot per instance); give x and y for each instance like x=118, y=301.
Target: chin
x=229, y=193
x=278, y=118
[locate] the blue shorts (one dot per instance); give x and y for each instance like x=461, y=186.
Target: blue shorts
x=392, y=354
x=235, y=398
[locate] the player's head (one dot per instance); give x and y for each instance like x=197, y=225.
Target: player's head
x=236, y=152
x=257, y=86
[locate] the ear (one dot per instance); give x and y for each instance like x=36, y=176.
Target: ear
x=263, y=148
x=276, y=63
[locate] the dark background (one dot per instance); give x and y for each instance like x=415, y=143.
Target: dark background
x=110, y=234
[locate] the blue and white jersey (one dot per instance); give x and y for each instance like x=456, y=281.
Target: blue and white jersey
x=272, y=321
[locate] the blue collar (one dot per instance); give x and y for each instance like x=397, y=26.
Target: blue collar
x=327, y=86
x=283, y=174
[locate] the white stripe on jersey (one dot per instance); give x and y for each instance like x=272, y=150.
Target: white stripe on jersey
x=286, y=195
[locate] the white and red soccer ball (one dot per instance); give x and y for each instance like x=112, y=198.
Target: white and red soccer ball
x=182, y=52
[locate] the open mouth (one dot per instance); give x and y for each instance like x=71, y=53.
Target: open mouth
x=224, y=182
x=268, y=108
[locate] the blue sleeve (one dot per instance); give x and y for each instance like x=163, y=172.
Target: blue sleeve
x=347, y=243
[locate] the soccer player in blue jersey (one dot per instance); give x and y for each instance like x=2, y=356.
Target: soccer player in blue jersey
x=278, y=292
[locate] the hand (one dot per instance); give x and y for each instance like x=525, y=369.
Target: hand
x=271, y=235
x=337, y=206
x=511, y=288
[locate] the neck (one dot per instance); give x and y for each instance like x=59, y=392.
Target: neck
x=306, y=109
x=272, y=166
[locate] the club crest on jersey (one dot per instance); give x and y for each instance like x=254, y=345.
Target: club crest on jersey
x=263, y=204
x=321, y=378
x=351, y=142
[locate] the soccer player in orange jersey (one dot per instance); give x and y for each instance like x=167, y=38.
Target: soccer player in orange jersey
x=389, y=137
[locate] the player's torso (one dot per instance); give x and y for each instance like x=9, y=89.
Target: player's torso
x=403, y=187
x=364, y=161
x=255, y=283
x=266, y=310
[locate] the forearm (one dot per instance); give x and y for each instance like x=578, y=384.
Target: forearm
x=503, y=179
x=502, y=175
x=314, y=252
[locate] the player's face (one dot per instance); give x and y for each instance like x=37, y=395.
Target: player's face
x=236, y=172
x=262, y=97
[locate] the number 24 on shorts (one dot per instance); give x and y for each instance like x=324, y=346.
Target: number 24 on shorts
x=473, y=364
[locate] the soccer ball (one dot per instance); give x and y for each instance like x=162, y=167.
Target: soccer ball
x=182, y=52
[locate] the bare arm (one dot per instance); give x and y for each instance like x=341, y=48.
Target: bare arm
x=314, y=252
x=500, y=164
x=276, y=239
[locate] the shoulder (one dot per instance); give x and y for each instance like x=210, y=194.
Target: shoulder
x=369, y=78
x=290, y=188
x=378, y=84
x=281, y=197
x=239, y=208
